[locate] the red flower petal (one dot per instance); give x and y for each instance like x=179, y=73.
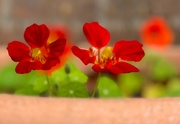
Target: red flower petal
x=25, y=66
x=97, y=68
x=123, y=67
x=57, y=47
x=37, y=65
x=129, y=50
x=96, y=34
x=36, y=35
x=83, y=55
x=50, y=62
x=18, y=51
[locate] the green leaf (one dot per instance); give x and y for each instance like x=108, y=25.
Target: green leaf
x=75, y=75
x=107, y=88
x=27, y=91
x=162, y=69
x=41, y=84
x=130, y=83
x=11, y=81
x=173, y=87
x=78, y=76
x=71, y=81
x=59, y=75
x=69, y=73
x=73, y=90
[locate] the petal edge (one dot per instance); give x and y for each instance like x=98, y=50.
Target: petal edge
x=18, y=51
x=96, y=35
x=83, y=55
x=129, y=50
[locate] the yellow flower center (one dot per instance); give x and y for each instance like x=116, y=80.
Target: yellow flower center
x=39, y=54
x=105, y=56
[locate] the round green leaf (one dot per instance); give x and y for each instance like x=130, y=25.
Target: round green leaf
x=78, y=76
x=107, y=88
x=73, y=90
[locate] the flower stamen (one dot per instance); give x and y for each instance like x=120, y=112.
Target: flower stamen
x=38, y=54
x=106, y=56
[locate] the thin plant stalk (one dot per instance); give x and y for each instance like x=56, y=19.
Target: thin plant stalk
x=50, y=93
x=96, y=86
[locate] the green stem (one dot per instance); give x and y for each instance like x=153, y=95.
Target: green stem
x=96, y=86
x=49, y=86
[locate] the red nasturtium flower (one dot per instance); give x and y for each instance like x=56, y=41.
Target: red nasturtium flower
x=156, y=32
x=41, y=55
x=110, y=59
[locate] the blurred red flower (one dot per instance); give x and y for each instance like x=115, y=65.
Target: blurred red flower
x=59, y=31
x=41, y=55
x=110, y=59
x=156, y=32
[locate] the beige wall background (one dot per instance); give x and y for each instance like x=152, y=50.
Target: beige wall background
x=121, y=17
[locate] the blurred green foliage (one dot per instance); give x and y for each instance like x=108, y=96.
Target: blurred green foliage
x=10, y=81
x=158, y=78
x=68, y=81
x=130, y=84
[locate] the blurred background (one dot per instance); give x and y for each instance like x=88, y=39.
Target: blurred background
x=121, y=17
x=125, y=19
